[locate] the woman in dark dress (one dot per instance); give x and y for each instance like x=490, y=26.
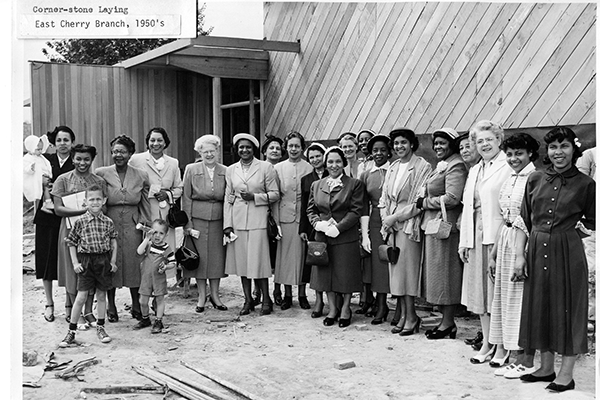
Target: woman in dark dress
x=377, y=279
x=554, y=268
x=127, y=205
x=48, y=225
x=334, y=209
x=314, y=154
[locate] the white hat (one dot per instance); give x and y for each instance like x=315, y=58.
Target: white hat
x=246, y=136
x=312, y=147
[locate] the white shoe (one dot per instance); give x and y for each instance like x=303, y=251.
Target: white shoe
x=519, y=371
x=504, y=370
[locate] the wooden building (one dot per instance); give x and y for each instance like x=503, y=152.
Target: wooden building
x=332, y=67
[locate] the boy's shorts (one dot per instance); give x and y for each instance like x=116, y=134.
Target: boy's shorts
x=153, y=284
x=96, y=272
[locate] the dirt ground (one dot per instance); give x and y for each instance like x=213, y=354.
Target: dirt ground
x=286, y=355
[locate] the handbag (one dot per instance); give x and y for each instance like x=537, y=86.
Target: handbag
x=272, y=230
x=387, y=253
x=438, y=227
x=187, y=255
x=316, y=253
x=176, y=216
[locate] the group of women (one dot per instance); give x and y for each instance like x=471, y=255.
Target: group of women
x=484, y=187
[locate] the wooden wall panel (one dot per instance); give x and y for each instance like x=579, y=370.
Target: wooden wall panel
x=100, y=103
x=427, y=65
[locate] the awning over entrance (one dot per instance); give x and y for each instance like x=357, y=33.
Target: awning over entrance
x=221, y=57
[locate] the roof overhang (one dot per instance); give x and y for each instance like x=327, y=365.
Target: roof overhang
x=215, y=56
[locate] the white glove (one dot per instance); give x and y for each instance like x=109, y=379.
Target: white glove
x=332, y=232
x=321, y=226
x=279, y=234
x=364, y=231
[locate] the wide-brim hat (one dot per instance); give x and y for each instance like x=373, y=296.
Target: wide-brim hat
x=246, y=136
x=377, y=138
x=448, y=131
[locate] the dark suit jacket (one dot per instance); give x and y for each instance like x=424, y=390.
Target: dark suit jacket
x=344, y=204
x=305, y=184
x=42, y=218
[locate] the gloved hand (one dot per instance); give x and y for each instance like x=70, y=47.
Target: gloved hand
x=332, y=232
x=321, y=226
x=364, y=231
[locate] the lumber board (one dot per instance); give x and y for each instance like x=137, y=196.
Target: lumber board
x=562, y=54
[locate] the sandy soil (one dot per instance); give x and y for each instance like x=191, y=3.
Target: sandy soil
x=286, y=355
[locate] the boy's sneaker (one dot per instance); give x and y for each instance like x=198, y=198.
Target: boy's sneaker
x=68, y=340
x=144, y=323
x=157, y=327
x=102, y=335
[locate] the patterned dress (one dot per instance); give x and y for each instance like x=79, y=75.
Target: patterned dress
x=508, y=295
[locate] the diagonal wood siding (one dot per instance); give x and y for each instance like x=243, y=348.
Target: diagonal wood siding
x=101, y=102
x=428, y=65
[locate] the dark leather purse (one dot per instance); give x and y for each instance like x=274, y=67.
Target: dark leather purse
x=187, y=255
x=387, y=253
x=316, y=253
x=176, y=216
x=272, y=231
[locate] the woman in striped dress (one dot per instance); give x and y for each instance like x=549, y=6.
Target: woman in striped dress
x=521, y=151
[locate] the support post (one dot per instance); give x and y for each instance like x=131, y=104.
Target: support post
x=217, y=113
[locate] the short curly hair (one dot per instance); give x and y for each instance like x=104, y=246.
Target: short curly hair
x=206, y=139
x=523, y=141
x=160, y=130
x=487, y=125
x=62, y=128
x=125, y=141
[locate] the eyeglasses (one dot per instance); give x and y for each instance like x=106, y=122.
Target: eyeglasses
x=208, y=152
x=119, y=152
x=486, y=140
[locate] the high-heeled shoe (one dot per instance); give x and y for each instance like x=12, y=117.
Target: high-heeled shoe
x=344, y=322
x=413, y=330
x=277, y=298
x=328, y=321
x=266, y=308
x=481, y=358
x=199, y=309
x=373, y=312
x=555, y=387
x=304, y=304
x=317, y=312
x=443, y=333
x=220, y=307
x=247, y=308
x=494, y=363
x=49, y=318
x=364, y=308
x=287, y=302
x=381, y=319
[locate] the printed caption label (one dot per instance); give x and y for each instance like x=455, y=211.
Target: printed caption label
x=62, y=19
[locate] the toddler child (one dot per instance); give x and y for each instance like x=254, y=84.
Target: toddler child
x=35, y=168
x=93, y=249
x=158, y=257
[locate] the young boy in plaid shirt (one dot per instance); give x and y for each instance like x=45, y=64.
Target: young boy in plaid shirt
x=93, y=248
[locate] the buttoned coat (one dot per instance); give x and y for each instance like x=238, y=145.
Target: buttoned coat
x=450, y=184
x=261, y=180
x=289, y=177
x=200, y=199
x=489, y=190
x=344, y=204
x=169, y=178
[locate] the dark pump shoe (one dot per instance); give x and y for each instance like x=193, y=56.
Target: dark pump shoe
x=304, y=304
x=555, y=387
x=344, y=322
x=546, y=378
x=287, y=302
x=246, y=309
